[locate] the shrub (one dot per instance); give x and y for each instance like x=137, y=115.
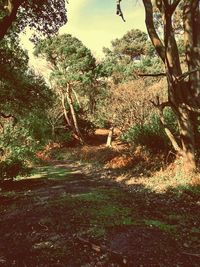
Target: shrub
x=12, y=167
x=87, y=128
x=152, y=134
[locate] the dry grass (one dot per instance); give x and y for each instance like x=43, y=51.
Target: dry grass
x=130, y=167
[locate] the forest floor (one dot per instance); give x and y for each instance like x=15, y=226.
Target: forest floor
x=77, y=211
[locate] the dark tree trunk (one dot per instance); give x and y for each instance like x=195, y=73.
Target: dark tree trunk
x=183, y=97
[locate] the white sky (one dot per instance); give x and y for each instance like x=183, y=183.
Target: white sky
x=95, y=23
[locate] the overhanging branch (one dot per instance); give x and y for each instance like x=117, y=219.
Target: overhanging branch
x=157, y=43
x=119, y=10
x=178, y=79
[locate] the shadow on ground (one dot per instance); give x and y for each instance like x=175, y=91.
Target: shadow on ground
x=65, y=215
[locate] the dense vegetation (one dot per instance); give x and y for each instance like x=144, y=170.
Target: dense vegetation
x=68, y=139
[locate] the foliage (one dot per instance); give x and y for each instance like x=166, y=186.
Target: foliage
x=151, y=134
x=74, y=78
x=23, y=119
x=12, y=167
x=132, y=45
x=20, y=89
x=127, y=104
x=130, y=55
x=45, y=16
x=70, y=59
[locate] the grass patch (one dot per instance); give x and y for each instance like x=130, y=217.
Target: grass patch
x=100, y=209
x=162, y=226
x=92, y=197
x=50, y=173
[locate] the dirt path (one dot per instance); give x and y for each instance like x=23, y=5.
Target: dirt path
x=69, y=215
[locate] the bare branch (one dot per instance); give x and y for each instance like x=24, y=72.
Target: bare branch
x=179, y=78
x=170, y=135
x=157, y=43
x=119, y=10
x=151, y=74
x=186, y=74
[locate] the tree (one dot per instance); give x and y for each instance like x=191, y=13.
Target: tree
x=24, y=100
x=20, y=89
x=46, y=16
x=133, y=44
x=183, y=87
x=130, y=55
x=72, y=65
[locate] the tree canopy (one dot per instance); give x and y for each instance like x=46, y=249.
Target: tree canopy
x=21, y=90
x=46, y=16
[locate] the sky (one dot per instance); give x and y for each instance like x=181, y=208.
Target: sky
x=96, y=24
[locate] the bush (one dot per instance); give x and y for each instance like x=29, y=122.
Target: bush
x=87, y=128
x=152, y=134
x=11, y=168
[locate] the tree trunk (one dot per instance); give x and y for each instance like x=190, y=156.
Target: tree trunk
x=109, y=138
x=64, y=109
x=73, y=114
x=77, y=98
x=180, y=92
x=187, y=140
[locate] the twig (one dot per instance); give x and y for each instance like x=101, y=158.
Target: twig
x=46, y=228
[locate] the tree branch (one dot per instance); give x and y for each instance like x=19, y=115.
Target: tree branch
x=170, y=135
x=119, y=10
x=179, y=78
x=184, y=75
x=151, y=74
x=157, y=43
x=5, y=116
x=8, y=117
x=7, y=21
